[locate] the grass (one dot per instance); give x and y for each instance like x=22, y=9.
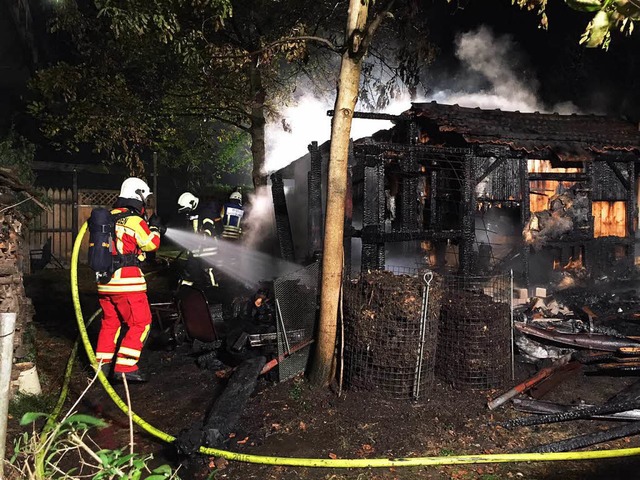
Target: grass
x=445, y=452
x=22, y=403
x=296, y=391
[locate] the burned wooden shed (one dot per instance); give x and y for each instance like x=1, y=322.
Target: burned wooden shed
x=482, y=190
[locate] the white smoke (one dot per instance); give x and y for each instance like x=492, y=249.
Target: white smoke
x=307, y=120
x=491, y=59
x=505, y=85
x=260, y=215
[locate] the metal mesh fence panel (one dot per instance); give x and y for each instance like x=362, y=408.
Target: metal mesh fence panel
x=296, y=303
x=474, y=338
x=390, y=333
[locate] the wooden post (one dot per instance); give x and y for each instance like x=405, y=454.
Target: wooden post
x=74, y=218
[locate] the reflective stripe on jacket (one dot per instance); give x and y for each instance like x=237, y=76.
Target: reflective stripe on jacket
x=231, y=214
x=132, y=237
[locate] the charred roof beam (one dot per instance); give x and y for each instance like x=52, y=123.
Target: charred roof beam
x=375, y=116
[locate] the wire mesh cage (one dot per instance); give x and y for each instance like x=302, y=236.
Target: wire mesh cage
x=474, y=338
x=390, y=332
x=296, y=307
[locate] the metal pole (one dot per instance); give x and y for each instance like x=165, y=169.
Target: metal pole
x=284, y=330
x=155, y=181
x=7, y=328
x=423, y=327
x=513, y=357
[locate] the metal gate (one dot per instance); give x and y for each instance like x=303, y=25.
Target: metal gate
x=296, y=312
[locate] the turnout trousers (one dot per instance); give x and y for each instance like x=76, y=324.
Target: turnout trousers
x=132, y=311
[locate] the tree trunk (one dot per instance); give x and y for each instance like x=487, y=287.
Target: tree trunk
x=257, y=126
x=348, y=87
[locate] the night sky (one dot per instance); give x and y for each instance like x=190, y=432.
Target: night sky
x=596, y=81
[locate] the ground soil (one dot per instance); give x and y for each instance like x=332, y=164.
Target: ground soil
x=292, y=419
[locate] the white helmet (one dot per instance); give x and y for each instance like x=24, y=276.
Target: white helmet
x=135, y=189
x=187, y=202
x=236, y=196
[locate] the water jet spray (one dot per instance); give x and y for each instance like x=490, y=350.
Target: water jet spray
x=246, y=265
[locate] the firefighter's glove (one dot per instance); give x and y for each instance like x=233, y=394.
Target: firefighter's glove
x=156, y=225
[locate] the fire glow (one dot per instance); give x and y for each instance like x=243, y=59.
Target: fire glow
x=609, y=217
x=543, y=190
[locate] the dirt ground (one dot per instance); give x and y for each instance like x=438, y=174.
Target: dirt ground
x=292, y=419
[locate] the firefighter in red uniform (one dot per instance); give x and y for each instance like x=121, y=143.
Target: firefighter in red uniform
x=124, y=299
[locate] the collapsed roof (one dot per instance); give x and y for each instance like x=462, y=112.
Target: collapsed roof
x=570, y=137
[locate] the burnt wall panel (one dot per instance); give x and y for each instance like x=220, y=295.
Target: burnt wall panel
x=502, y=183
x=606, y=184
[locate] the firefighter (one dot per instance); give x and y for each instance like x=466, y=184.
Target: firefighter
x=124, y=299
x=231, y=215
x=202, y=219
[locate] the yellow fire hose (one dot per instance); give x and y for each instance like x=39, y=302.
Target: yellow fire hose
x=318, y=462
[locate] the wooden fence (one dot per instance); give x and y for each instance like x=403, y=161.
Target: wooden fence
x=66, y=215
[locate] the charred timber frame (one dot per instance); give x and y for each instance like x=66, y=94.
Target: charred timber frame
x=283, y=225
x=373, y=209
x=631, y=205
x=348, y=215
x=369, y=174
x=525, y=213
x=314, y=196
x=468, y=216
x=409, y=185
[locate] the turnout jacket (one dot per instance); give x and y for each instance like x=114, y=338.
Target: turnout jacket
x=203, y=219
x=132, y=236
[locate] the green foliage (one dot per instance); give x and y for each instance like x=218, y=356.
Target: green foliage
x=149, y=73
x=68, y=443
x=609, y=15
x=17, y=153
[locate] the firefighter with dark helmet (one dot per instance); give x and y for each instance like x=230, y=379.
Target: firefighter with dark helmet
x=231, y=215
x=123, y=298
x=202, y=218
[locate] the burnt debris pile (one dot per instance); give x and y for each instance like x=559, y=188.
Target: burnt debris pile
x=583, y=335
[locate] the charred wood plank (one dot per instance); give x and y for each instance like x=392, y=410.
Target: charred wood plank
x=632, y=392
x=527, y=384
x=556, y=378
x=542, y=407
x=575, y=414
x=606, y=343
x=490, y=169
x=559, y=177
x=589, y=439
x=228, y=408
x=373, y=235
x=614, y=168
x=283, y=224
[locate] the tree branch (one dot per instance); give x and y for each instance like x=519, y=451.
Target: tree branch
x=303, y=38
x=373, y=26
x=211, y=115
